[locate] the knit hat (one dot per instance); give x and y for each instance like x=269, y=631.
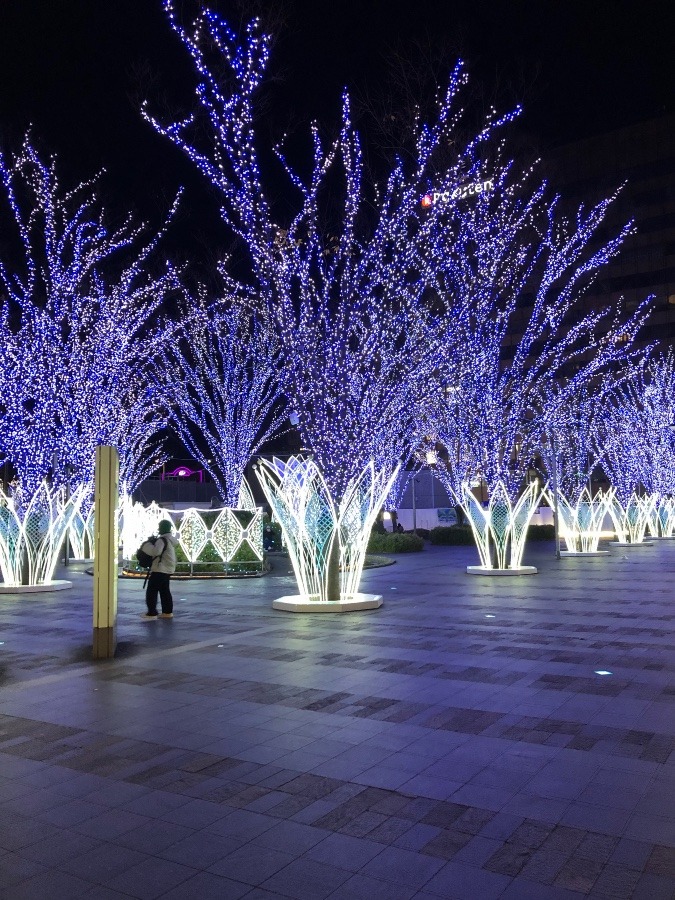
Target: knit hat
x=165, y=526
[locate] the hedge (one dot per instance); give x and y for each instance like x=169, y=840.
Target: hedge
x=541, y=533
x=395, y=543
x=451, y=534
x=462, y=534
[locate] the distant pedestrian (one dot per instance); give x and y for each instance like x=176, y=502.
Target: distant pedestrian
x=162, y=568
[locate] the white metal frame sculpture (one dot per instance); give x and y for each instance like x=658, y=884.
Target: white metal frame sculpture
x=661, y=522
x=81, y=535
x=227, y=534
x=246, y=500
x=581, y=524
x=631, y=518
x=31, y=537
x=316, y=531
x=500, y=529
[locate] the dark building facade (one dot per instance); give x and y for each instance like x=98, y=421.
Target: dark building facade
x=642, y=157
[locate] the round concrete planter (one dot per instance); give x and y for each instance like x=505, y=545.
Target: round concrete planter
x=302, y=603
x=584, y=553
x=629, y=544
x=35, y=588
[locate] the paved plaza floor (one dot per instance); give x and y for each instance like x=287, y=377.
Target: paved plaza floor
x=459, y=742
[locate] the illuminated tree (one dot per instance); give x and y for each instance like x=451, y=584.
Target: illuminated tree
x=528, y=347
x=348, y=276
x=344, y=284
x=639, y=440
x=78, y=313
x=573, y=450
x=640, y=430
x=221, y=381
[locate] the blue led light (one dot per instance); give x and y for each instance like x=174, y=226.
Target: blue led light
x=78, y=322
x=226, y=403
x=344, y=286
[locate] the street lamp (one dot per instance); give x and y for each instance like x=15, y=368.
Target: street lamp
x=414, y=504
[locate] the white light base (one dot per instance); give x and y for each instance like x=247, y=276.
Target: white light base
x=35, y=588
x=302, y=603
x=662, y=537
x=483, y=570
x=629, y=544
x=584, y=552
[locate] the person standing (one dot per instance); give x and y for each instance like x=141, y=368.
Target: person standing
x=162, y=568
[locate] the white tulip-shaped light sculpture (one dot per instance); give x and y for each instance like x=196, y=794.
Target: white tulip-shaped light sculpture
x=81, y=535
x=320, y=536
x=581, y=524
x=631, y=519
x=31, y=539
x=500, y=529
x=662, y=518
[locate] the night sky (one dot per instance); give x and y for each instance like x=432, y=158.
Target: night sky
x=78, y=69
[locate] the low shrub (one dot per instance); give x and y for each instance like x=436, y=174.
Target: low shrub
x=451, y=535
x=541, y=533
x=395, y=543
x=462, y=534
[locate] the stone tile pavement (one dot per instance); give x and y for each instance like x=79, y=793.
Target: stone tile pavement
x=457, y=743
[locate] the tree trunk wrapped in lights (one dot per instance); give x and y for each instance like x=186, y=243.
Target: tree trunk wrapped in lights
x=31, y=535
x=574, y=449
x=326, y=544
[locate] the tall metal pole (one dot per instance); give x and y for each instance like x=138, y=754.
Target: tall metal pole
x=66, y=543
x=556, y=528
x=414, y=502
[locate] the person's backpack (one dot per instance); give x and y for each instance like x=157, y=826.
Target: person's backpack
x=143, y=555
